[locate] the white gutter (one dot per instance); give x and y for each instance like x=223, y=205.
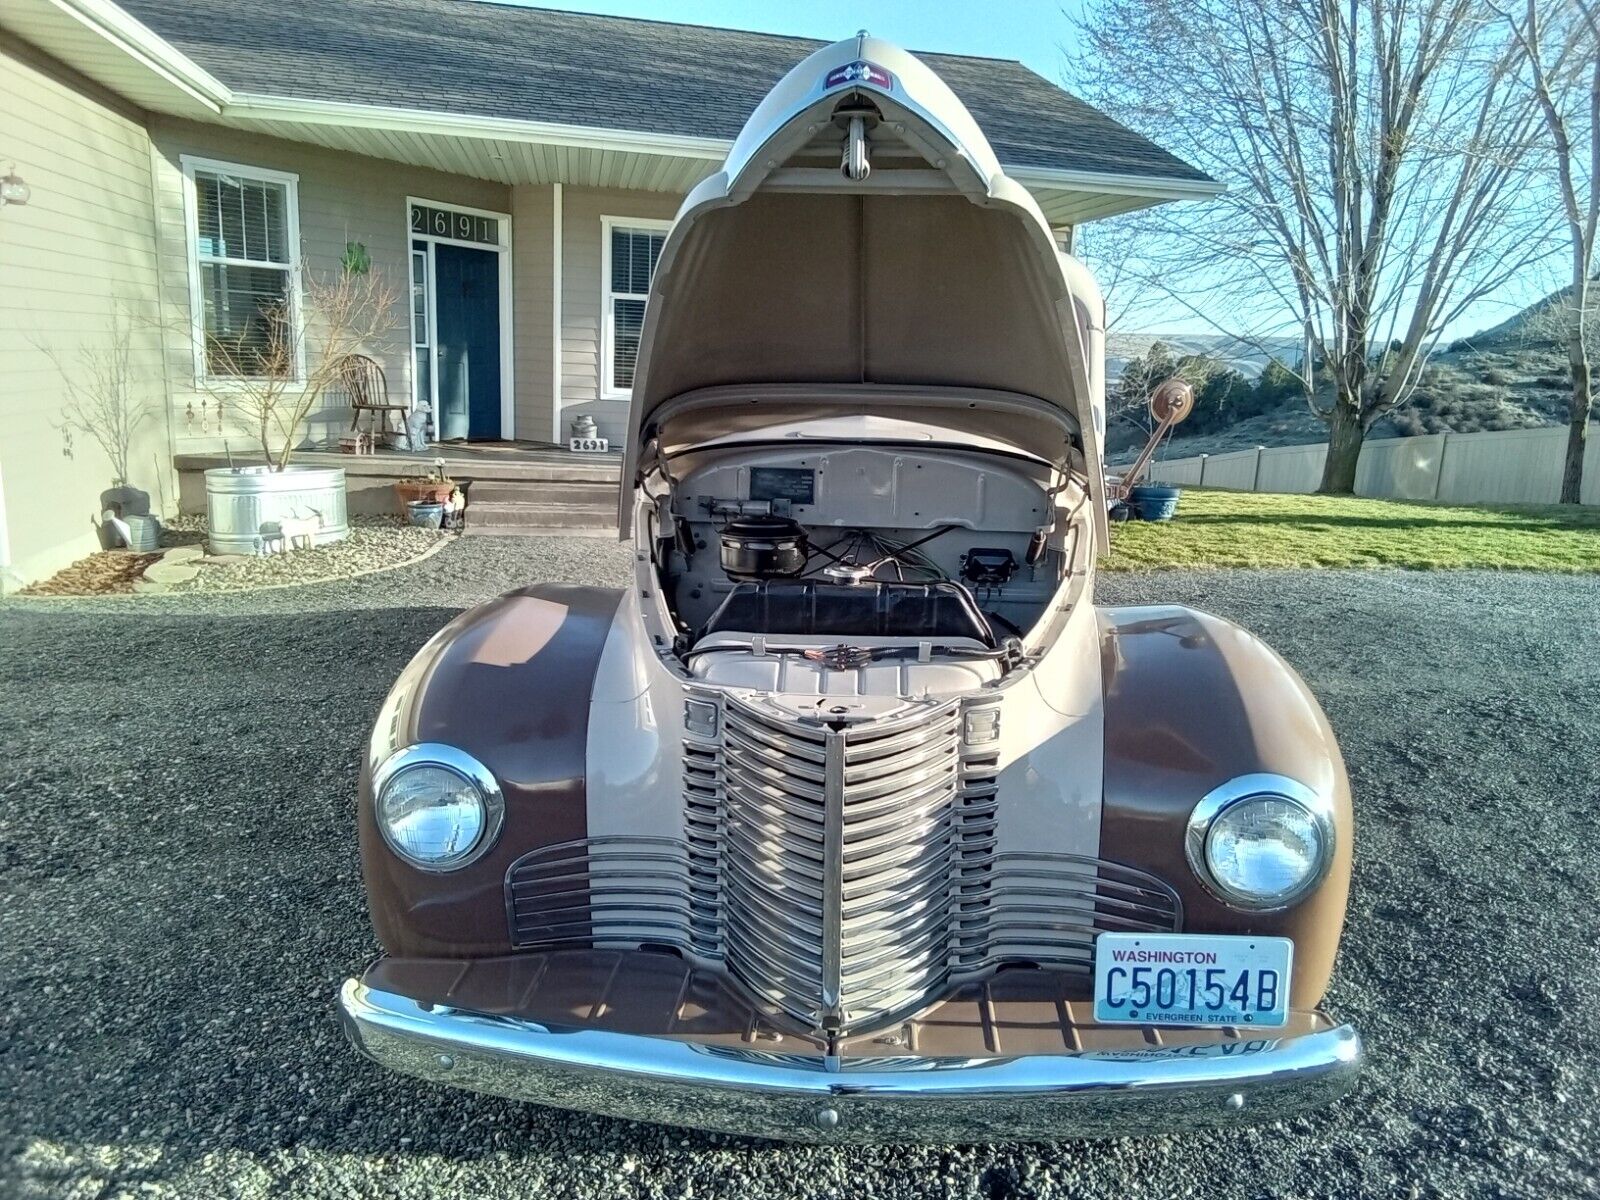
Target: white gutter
x=148, y=48
x=249, y=106
x=1160, y=187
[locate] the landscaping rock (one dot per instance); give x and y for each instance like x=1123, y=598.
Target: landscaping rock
x=374, y=544
x=172, y=570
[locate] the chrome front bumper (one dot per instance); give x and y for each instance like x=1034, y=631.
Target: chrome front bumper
x=898, y=1099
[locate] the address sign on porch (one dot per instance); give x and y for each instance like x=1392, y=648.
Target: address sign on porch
x=447, y=223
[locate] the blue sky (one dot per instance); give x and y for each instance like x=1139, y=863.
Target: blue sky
x=1030, y=30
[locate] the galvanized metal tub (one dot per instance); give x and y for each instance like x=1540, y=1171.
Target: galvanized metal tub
x=246, y=506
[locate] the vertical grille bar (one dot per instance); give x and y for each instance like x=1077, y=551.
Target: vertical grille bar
x=833, y=882
x=703, y=822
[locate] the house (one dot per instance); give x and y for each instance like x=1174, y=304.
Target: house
x=513, y=170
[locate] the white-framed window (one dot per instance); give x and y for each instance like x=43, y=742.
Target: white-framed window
x=244, y=269
x=629, y=248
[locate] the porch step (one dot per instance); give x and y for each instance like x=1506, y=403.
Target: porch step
x=600, y=493
x=543, y=515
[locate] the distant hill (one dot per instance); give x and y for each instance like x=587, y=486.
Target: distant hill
x=1536, y=325
x=1247, y=358
x=1512, y=375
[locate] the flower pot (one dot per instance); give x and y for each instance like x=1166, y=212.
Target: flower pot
x=428, y=514
x=1152, y=502
x=436, y=492
x=245, y=504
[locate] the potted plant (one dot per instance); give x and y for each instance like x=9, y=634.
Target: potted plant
x=274, y=378
x=433, y=486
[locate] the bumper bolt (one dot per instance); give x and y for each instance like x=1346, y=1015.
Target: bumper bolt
x=827, y=1118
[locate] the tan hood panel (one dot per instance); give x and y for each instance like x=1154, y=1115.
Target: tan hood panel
x=839, y=288
x=936, y=271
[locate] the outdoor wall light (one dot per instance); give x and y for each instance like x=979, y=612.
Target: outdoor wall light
x=12, y=189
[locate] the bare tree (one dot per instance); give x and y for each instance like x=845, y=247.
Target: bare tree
x=275, y=372
x=1111, y=249
x=1372, y=151
x=1115, y=250
x=102, y=398
x=1561, y=39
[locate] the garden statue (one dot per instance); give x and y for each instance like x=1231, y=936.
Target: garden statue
x=417, y=428
x=300, y=532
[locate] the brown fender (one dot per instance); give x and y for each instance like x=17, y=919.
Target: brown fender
x=509, y=683
x=1193, y=701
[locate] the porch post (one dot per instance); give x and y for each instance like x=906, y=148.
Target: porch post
x=555, y=315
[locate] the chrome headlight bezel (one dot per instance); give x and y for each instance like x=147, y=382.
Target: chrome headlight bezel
x=1246, y=789
x=458, y=762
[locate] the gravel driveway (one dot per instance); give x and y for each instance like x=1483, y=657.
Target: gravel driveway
x=180, y=896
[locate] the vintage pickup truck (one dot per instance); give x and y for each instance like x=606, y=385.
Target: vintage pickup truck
x=854, y=817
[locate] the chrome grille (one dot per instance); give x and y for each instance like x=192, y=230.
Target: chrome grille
x=838, y=848
x=702, y=827
x=843, y=874
x=977, y=818
x=1048, y=909
x=608, y=892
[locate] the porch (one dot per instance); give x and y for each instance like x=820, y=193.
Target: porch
x=511, y=487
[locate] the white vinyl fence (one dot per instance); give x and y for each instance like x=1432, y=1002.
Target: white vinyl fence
x=1514, y=466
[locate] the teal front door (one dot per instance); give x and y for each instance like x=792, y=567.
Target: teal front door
x=467, y=356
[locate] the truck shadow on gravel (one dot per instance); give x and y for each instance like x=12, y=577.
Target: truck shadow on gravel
x=180, y=897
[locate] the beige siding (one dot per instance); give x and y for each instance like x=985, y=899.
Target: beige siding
x=81, y=250
x=533, y=254
x=583, y=292
x=342, y=198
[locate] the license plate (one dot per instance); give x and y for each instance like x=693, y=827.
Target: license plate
x=1191, y=979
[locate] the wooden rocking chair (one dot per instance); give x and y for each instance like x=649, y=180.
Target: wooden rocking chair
x=363, y=380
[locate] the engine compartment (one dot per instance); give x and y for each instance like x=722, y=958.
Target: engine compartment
x=858, y=569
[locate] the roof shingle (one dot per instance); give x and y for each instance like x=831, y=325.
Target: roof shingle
x=504, y=60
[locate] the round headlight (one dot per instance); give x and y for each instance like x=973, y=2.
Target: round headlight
x=437, y=807
x=1261, y=841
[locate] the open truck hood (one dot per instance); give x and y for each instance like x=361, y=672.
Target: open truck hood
x=787, y=289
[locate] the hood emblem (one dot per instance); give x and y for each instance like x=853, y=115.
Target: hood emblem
x=860, y=71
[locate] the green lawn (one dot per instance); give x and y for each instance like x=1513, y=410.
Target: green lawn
x=1245, y=529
